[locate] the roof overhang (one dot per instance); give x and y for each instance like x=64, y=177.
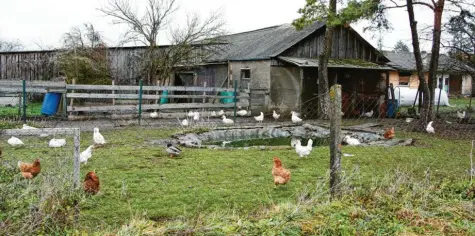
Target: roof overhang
x=336, y=63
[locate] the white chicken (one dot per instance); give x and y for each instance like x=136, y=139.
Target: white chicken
x=184, y=122
x=351, y=141
x=25, y=126
x=310, y=144
x=242, y=112
x=190, y=114
x=227, y=121
x=196, y=116
x=368, y=114
x=302, y=151
x=14, y=141
x=461, y=115
x=213, y=114
x=154, y=115
x=275, y=115
x=221, y=113
x=98, y=138
x=295, y=118
x=430, y=129
x=409, y=120
x=259, y=118
x=293, y=142
x=86, y=154
x=55, y=143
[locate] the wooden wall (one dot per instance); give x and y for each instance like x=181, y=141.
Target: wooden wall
x=39, y=65
x=347, y=44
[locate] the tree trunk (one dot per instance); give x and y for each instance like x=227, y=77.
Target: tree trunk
x=335, y=150
x=434, y=59
x=324, y=100
x=420, y=68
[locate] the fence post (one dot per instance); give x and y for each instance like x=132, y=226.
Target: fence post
x=140, y=101
x=77, y=166
x=24, y=100
x=235, y=100
x=335, y=151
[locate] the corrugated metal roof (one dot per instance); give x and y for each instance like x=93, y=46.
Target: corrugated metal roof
x=336, y=63
x=263, y=43
x=406, y=61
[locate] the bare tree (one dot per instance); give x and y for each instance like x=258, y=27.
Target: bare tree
x=187, y=44
x=8, y=46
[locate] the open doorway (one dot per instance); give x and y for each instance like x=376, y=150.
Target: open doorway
x=183, y=79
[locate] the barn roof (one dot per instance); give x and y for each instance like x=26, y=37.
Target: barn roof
x=405, y=61
x=336, y=63
x=263, y=43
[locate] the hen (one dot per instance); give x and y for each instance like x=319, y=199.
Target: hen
x=389, y=133
x=29, y=170
x=281, y=175
x=91, y=183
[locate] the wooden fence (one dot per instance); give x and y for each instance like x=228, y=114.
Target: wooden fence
x=145, y=97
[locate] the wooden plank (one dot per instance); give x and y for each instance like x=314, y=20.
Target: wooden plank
x=145, y=88
x=169, y=106
x=49, y=131
x=145, y=96
x=335, y=142
x=19, y=90
x=33, y=83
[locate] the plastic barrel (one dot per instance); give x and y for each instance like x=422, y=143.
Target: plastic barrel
x=164, y=98
x=227, y=100
x=392, y=108
x=50, y=104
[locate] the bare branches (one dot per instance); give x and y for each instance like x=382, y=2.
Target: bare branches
x=8, y=46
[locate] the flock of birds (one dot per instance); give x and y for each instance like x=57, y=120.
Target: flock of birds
x=91, y=183
x=195, y=116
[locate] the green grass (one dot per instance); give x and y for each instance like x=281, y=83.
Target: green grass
x=137, y=176
x=32, y=109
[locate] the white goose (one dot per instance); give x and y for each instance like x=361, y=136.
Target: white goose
x=154, y=115
x=227, y=121
x=86, y=154
x=368, y=114
x=98, y=138
x=351, y=141
x=259, y=118
x=430, y=129
x=55, y=143
x=14, y=141
x=213, y=114
x=242, y=112
x=190, y=114
x=25, y=126
x=295, y=118
x=221, y=113
x=196, y=116
x=184, y=122
x=275, y=115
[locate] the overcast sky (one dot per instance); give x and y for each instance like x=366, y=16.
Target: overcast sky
x=42, y=23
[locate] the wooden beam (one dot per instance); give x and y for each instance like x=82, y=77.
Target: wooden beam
x=145, y=96
x=49, y=131
x=145, y=88
x=168, y=106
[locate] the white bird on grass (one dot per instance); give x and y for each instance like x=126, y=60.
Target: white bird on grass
x=295, y=118
x=25, y=126
x=461, y=115
x=86, y=154
x=369, y=114
x=190, y=114
x=293, y=142
x=227, y=121
x=275, y=115
x=154, y=115
x=351, y=141
x=221, y=113
x=183, y=122
x=430, y=129
x=14, y=141
x=55, y=143
x=223, y=144
x=213, y=114
x=196, y=116
x=98, y=138
x=302, y=151
x=242, y=112
x=310, y=144
x=259, y=118
x=409, y=120
x=172, y=150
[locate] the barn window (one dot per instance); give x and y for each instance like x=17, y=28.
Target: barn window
x=403, y=80
x=245, y=78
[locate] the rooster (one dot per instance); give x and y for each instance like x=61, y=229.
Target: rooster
x=91, y=183
x=281, y=175
x=275, y=115
x=30, y=170
x=389, y=133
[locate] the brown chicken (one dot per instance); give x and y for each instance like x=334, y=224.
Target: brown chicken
x=29, y=170
x=91, y=183
x=389, y=133
x=281, y=175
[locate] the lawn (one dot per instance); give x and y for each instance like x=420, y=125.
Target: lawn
x=137, y=176
x=32, y=109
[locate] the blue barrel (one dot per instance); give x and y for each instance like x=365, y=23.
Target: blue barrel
x=227, y=100
x=164, y=98
x=50, y=104
x=392, y=108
